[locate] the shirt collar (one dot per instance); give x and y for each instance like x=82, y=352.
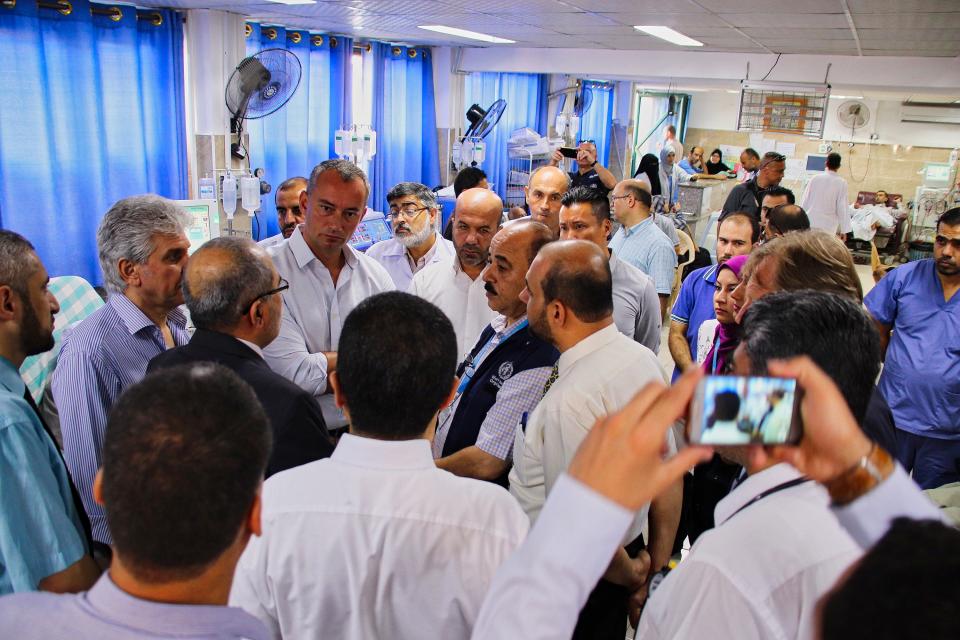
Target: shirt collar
x=710, y=274
x=115, y=605
x=359, y=451
x=588, y=345
x=501, y=324
x=638, y=227
x=753, y=486
x=256, y=349
x=136, y=320
x=303, y=254
x=10, y=378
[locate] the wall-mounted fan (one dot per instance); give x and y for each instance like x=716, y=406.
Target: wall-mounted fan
x=853, y=115
x=471, y=150
x=261, y=84
x=582, y=100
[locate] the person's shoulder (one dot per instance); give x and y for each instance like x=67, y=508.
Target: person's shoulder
x=435, y=271
x=375, y=271
x=383, y=248
x=481, y=496
x=290, y=489
x=88, y=335
x=37, y=614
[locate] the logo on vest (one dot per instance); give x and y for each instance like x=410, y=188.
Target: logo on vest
x=503, y=374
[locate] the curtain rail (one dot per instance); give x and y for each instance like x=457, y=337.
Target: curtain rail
x=65, y=8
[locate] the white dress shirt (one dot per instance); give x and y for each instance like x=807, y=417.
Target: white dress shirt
x=375, y=542
x=760, y=572
x=463, y=300
x=313, y=313
x=636, y=307
x=825, y=201
x=596, y=377
x=398, y=263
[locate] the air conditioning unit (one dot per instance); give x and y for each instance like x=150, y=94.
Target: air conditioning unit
x=930, y=112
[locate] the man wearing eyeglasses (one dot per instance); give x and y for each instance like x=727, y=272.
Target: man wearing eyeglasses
x=415, y=243
x=234, y=295
x=589, y=172
x=328, y=278
x=748, y=196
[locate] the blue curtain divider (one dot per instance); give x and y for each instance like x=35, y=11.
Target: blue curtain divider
x=595, y=124
x=94, y=112
x=404, y=117
x=526, y=97
x=294, y=139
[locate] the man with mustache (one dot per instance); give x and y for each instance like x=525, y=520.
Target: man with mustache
x=413, y=214
x=454, y=284
x=289, y=214
x=503, y=377
x=921, y=372
x=143, y=251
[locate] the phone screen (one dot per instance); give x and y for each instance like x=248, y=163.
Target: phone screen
x=568, y=152
x=737, y=410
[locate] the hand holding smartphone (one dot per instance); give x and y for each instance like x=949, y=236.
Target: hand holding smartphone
x=568, y=152
x=744, y=410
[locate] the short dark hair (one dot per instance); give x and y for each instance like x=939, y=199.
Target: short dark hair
x=833, y=330
x=395, y=397
x=733, y=215
x=640, y=194
x=833, y=161
x=778, y=191
x=788, y=217
x=598, y=202
x=726, y=405
x=184, y=453
x=468, y=178
x=751, y=152
x=585, y=291
x=671, y=129
x=346, y=170
x=421, y=192
x=16, y=267
x=950, y=217
x=904, y=587
x=290, y=183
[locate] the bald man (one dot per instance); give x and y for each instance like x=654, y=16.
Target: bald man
x=783, y=219
x=502, y=378
x=569, y=303
x=454, y=284
x=233, y=293
x=544, y=192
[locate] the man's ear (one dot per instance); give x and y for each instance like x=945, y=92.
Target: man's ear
x=129, y=271
x=333, y=381
x=254, y=523
x=556, y=313
x=9, y=299
x=98, y=487
x=256, y=314
x=453, y=394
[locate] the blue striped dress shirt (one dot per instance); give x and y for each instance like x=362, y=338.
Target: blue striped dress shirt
x=646, y=247
x=101, y=356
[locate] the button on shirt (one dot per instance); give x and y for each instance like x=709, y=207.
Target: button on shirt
x=397, y=548
x=825, y=201
x=401, y=266
x=760, y=572
x=461, y=299
x=519, y=393
x=598, y=376
x=108, y=613
x=636, y=308
x=921, y=373
x=694, y=305
x=101, y=356
x=646, y=247
x=313, y=313
x=40, y=529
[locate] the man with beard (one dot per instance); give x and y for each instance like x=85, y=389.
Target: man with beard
x=454, y=284
x=569, y=298
x=921, y=372
x=289, y=214
x=44, y=534
x=415, y=243
x=503, y=377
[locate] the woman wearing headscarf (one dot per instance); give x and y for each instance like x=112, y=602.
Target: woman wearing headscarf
x=648, y=171
x=726, y=337
x=715, y=163
x=671, y=176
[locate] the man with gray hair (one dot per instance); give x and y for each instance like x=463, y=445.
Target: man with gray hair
x=233, y=293
x=289, y=214
x=413, y=214
x=143, y=250
x=327, y=277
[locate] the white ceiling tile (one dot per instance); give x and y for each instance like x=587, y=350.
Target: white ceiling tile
x=901, y=6
x=799, y=20
x=569, y=20
x=908, y=21
x=531, y=7
x=675, y=20
x=635, y=6
x=771, y=6
x=899, y=35
x=791, y=33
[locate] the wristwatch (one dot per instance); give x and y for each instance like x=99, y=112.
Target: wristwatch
x=858, y=480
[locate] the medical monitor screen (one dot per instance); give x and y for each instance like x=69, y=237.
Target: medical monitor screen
x=816, y=163
x=369, y=232
x=204, y=221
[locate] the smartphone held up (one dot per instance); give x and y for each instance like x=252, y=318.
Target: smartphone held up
x=744, y=410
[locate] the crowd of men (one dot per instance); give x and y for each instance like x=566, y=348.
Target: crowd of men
x=474, y=437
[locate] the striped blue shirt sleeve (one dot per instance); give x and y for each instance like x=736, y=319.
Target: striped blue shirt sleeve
x=84, y=389
x=520, y=393
x=663, y=263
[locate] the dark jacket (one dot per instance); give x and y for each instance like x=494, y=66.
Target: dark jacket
x=745, y=197
x=299, y=432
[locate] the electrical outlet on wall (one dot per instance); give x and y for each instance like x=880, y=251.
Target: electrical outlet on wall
x=824, y=148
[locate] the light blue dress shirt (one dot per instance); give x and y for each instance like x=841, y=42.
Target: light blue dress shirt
x=646, y=247
x=40, y=530
x=921, y=373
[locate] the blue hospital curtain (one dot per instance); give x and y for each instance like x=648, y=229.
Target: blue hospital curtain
x=595, y=124
x=526, y=96
x=405, y=119
x=92, y=111
x=297, y=137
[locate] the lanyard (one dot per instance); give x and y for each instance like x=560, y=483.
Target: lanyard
x=716, y=352
x=770, y=492
x=477, y=359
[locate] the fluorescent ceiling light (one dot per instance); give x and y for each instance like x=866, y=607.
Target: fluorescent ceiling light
x=463, y=33
x=294, y=1
x=668, y=34
x=847, y=97
x=732, y=91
